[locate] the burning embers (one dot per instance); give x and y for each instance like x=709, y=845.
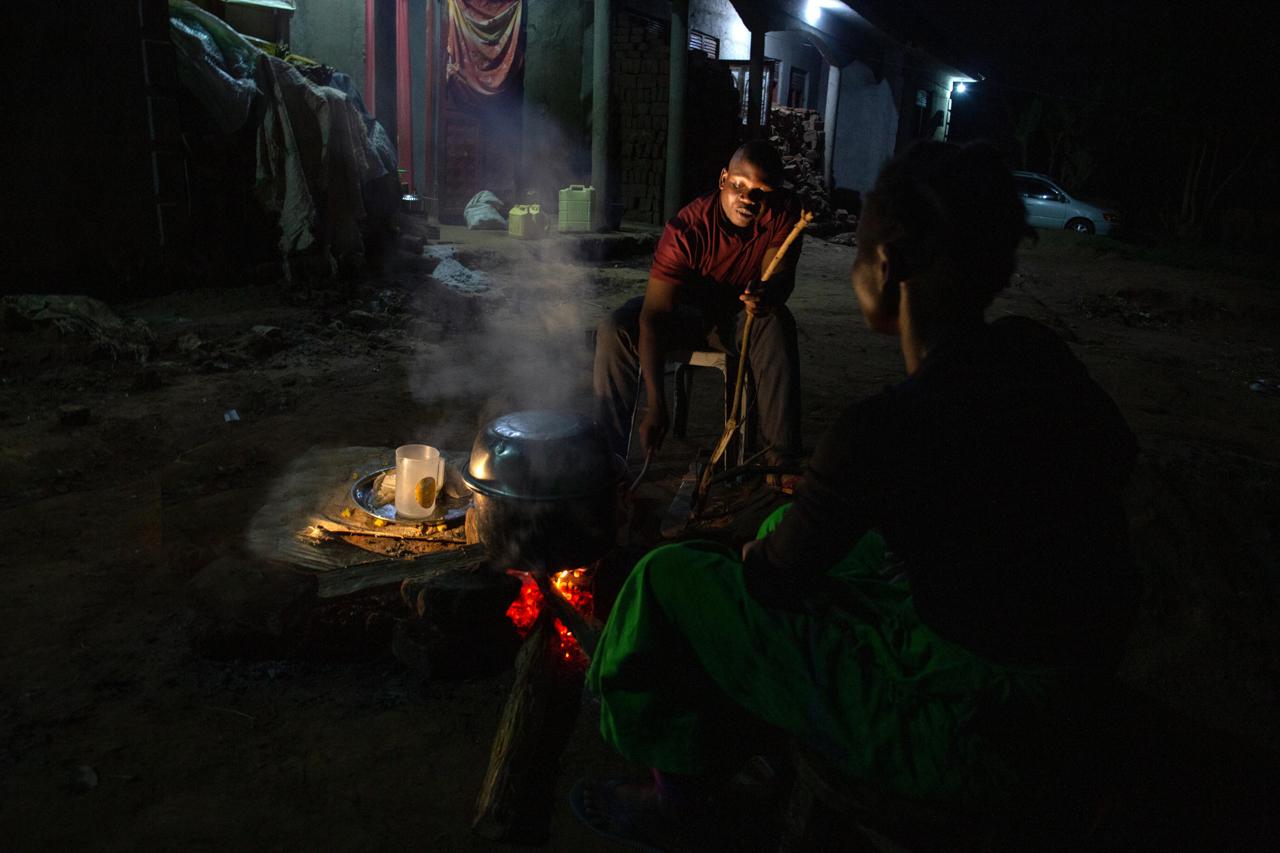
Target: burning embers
x=574, y=587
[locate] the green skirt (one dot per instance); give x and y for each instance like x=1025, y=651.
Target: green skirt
x=866, y=685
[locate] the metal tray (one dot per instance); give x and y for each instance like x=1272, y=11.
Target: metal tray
x=369, y=495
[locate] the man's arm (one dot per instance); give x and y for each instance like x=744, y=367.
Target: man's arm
x=655, y=328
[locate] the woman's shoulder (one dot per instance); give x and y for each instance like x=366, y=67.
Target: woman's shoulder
x=1017, y=330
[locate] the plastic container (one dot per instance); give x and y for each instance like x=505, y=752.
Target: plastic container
x=575, y=207
x=526, y=221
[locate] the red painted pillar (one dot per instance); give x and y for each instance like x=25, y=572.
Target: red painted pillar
x=370, y=59
x=430, y=142
x=404, y=105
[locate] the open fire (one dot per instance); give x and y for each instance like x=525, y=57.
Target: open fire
x=574, y=585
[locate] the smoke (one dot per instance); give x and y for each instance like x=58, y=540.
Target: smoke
x=505, y=326
x=508, y=323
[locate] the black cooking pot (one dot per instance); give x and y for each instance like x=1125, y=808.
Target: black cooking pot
x=546, y=490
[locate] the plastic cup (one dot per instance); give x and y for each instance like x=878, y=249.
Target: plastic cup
x=419, y=479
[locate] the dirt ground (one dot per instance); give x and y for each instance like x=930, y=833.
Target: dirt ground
x=117, y=733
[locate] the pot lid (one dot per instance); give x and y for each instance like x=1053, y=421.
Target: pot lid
x=542, y=455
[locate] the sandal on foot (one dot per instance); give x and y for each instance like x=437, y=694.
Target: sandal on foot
x=785, y=483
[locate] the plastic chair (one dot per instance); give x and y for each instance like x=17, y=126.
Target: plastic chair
x=728, y=367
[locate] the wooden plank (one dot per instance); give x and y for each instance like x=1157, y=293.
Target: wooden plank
x=344, y=581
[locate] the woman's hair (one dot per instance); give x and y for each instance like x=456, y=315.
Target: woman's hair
x=948, y=215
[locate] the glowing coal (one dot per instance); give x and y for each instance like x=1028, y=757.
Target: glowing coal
x=574, y=585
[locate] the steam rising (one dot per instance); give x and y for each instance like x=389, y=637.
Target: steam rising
x=509, y=321
x=521, y=344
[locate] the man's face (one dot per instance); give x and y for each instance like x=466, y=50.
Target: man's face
x=744, y=192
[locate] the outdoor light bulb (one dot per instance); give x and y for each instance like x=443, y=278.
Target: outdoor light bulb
x=812, y=11
x=960, y=88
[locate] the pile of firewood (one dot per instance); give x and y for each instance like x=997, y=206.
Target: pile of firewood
x=799, y=136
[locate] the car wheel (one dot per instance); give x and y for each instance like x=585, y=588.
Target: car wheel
x=1081, y=226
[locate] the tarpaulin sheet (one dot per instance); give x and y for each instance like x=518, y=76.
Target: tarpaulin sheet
x=282, y=5
x=215, y=63
x=485, y=43
x=313, y=152
x=318, y=151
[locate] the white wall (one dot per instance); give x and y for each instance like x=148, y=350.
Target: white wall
x=866, y=128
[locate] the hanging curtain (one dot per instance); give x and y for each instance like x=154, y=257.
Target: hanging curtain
x=485, y=43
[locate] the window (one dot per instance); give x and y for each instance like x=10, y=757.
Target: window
x=644, y=22
x=1031, y=188
x=708, y=44
x=797, y=85
x=741, y=72
x=698, y=40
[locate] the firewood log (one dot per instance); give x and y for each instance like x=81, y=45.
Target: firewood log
x=515, y=800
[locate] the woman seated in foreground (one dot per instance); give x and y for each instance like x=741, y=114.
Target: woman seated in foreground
x=956, y=558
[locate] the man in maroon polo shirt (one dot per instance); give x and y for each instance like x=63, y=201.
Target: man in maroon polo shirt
x=704, y=280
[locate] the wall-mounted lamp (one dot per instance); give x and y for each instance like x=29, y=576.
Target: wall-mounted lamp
x=813, y=10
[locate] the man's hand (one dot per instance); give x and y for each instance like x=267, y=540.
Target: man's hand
x=757, y=301
x=653, y=429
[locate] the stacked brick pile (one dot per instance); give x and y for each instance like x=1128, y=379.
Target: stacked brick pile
x=799, y=137
x=640, y=117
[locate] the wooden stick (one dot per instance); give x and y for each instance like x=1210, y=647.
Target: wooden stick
x=514, y=753
x=537, y=720
x=339, y=582
x=731, y=424
x=803, y=222
x=586, y=635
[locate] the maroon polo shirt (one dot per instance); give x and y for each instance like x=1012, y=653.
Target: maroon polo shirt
x=711, y=259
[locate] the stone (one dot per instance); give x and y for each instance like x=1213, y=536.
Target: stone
x=84, y=778
x=365, y=320
x=73, y=415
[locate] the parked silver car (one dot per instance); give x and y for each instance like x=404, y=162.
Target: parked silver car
x=1050, y=206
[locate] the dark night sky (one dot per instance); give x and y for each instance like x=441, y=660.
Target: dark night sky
x=1154, y=78
x=1072, y=48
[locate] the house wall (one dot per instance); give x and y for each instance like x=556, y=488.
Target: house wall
x=713, y=17
x=909, y=74
x=793, y=50
x=557, y=142
x=418, y=76
x=866, y=128
x=640, y=103
x=332, y=32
